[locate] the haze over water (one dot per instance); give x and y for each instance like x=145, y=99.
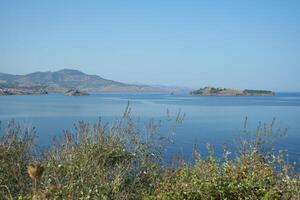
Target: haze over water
x=215, y=120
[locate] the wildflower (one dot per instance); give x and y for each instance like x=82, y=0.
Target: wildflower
x=42, y=196
x=35, y=171
x=227, y=153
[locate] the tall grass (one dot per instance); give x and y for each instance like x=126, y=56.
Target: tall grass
x=16, y=150
x=121, y=161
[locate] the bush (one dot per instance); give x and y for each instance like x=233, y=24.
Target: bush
x=246, y=178
x=120, y=161
x=16, y=149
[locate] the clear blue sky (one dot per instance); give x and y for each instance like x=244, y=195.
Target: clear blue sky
x=245, y=44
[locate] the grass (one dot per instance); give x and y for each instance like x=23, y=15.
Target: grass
x=120, y=161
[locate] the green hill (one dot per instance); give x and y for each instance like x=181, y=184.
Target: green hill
x=66, y=79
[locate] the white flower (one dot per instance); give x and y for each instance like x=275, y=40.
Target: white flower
x=227, y=153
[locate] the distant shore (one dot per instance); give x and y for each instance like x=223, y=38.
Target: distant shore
x=212, y=91
x=14, y=91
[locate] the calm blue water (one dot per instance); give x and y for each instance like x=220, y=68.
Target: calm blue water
x=215, y=120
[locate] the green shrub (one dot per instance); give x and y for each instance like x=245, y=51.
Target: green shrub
x=257, y=172
x=16, y=149
x=120, y=161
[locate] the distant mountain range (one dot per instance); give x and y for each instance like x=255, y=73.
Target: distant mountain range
x=63, y=80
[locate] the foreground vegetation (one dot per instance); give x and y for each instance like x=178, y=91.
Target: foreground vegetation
x=120, y=161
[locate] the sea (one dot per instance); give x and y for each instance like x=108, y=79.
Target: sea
x=218, y=122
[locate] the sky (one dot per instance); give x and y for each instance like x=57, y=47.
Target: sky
x=192, y=43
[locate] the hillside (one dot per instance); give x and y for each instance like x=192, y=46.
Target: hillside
x=63, y=80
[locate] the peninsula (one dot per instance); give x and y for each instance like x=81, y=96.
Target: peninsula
x=14, y=91
x=212, y=91
x=67, y=79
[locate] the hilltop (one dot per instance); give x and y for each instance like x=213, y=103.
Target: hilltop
x=212, y=91
x=66, y=79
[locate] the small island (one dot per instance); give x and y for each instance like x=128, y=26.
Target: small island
x=76, y=92
x=14, y=91
x=212, y=91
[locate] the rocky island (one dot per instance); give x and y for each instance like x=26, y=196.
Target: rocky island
x=212, y=91
x=75, y=92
